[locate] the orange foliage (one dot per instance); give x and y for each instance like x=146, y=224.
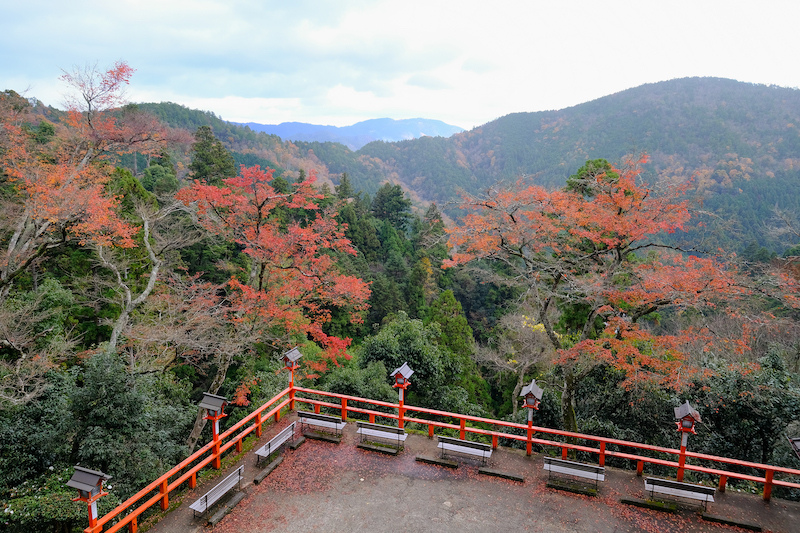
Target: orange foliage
x=598, y=250
x=293, y=281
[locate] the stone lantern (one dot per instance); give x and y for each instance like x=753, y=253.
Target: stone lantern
x=290, y=359
x=214, y=406
x=686, y=416
x=533, y=395
x=401, y=376
x=89, y=484
x=401, y=381
x=290, y=363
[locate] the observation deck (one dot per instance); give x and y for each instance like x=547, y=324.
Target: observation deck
x=322, y=486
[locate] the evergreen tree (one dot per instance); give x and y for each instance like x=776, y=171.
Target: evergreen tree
x=211, y=162
x=345, y=190
x=390, y=204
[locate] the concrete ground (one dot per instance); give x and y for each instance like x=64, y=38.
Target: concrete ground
x=340, y=488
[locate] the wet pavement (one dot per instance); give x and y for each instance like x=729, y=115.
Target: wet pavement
x=330, y=487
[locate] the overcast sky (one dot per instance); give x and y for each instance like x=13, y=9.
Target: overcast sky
x=338, y=62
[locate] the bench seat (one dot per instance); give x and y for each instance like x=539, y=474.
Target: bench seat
x=571, y=468
x=384, y=434
x=275, y=443
x=678, y=489
x=465, y=447
x=321, y=421
x=567, y=471
x=220, y=489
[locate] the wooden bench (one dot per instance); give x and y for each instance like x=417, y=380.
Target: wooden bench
x=221, y=489
x=571, y=469
x=465, y=447
x=678, y=489
x=384, y=434
x=321, y=422
x=275, y=443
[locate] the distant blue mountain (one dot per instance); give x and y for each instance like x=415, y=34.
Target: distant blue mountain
x=359, y=134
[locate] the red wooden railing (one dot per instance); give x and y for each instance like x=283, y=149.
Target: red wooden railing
x=127, y=513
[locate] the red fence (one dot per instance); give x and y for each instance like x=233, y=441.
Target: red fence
x=127, y=513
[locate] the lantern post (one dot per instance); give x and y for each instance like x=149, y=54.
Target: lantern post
x=290, y=363
x=89, y=484
x=401, y=381
x=214, y=406
x=533, y=395
x=687, y=416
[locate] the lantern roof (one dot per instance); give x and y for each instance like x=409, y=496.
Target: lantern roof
x=404, y=371
x=293, y=355
x=86, y=480
x=687, y=410
x=212, y=402
x=532, y=388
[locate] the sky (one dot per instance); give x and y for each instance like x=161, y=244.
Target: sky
x=339, y=62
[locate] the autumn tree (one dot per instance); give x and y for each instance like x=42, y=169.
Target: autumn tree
x=98, y=121
x=292, y=281
x=55, y=184
x=588, y=259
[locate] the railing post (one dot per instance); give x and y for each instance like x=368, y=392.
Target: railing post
x=317, y=408
x=400, y=412
x=371, y=418
x=602, y=459
x=258, y=424
x=133, y=525
x=165, y=495
x=564, y=451
x=639, y=468
x=238, y=445
x=768, y=484
x=217, y=463
x=430, y=431
x=462, y=433
x=494, y=442
x=723, y=480
x=344, y=409
x=529, y=444
x=291, y=390
x=193, y=480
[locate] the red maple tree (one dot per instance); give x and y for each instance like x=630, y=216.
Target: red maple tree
x=589, y=262
x=292, y=281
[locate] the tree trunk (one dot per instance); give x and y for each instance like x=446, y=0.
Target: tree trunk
x=515, y=394
x=216, y=383
x=568, y=401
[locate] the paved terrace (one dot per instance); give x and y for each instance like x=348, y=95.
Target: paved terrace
x=340, y=488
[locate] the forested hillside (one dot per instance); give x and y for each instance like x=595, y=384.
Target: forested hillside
x=151, y=253
x=730, y=138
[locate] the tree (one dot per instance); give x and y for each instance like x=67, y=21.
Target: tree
x=435, y=382
x=165, y=230
x=344, y=190
x=590, y=267
x=391, y=205
x=98, y=123
x=34, y=337
x=211, y=162
x=292, y=281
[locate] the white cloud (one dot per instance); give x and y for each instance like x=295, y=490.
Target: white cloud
x=465, y=62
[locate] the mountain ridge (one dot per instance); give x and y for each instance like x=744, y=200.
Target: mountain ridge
x=359, y=134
